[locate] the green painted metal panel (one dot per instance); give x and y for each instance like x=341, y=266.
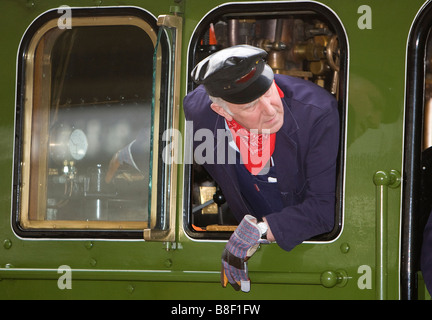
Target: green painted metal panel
x=374, y=142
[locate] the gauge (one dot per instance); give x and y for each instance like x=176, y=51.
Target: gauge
x=67, y=143
x=78, y=144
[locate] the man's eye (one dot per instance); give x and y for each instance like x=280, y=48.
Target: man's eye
x=268, y=93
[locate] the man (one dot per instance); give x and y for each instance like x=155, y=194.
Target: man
x=286, y=135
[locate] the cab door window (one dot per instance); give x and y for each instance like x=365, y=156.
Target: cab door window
x=88, y=124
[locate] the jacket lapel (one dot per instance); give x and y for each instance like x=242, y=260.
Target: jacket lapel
x=285, y=154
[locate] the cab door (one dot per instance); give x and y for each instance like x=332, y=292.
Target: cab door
x=97, y=89
x=304, y=40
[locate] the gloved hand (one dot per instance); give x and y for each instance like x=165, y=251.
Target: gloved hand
x=242, y=244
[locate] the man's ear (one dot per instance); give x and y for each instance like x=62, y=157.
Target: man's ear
x=221, y=111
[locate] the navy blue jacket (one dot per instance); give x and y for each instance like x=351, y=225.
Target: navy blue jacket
x=305, y=159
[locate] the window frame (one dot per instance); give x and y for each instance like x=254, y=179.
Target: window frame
x=277, y=8
x=413, y=217
x=109, y=16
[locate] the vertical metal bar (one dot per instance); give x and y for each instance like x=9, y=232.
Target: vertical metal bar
x=383, y=180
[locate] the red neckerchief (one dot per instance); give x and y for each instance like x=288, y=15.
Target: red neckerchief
x=255, y=149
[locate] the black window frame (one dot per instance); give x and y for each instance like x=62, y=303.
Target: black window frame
x=415, y=210
x=19, y=123
x=276, y=9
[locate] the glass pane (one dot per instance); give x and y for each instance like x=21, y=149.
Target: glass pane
x=162, y=215
x=91, y=122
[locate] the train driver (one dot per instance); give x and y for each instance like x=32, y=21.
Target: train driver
x=284, y=135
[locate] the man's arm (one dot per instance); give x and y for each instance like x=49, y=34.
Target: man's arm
x=270, y=236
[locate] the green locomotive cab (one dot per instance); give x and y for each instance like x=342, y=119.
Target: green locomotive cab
x=100, y=182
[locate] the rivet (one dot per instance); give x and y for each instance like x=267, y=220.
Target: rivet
x=30, y=3
x=93, y=262
x=88, y=245
x=7, y=244
x=168, y=263
x=344, y=247
x=329, y=279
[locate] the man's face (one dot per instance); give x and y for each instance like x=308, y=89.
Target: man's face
x=265, y=113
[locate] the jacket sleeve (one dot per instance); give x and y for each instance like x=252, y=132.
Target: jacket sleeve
x=196, y=106
x=314, y=214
